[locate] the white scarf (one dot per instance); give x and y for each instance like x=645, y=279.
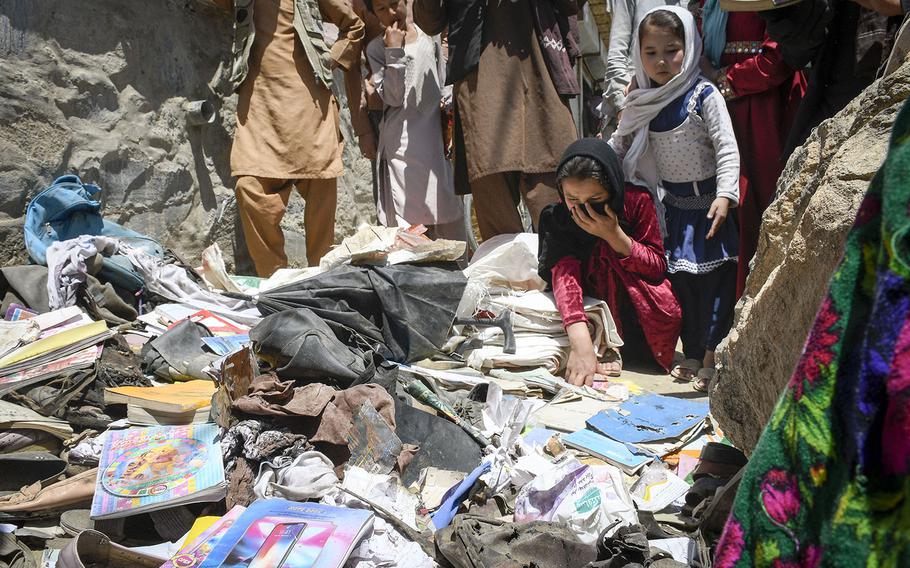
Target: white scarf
x=644, y=103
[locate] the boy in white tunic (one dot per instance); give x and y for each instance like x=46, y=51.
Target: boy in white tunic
x=415, y=179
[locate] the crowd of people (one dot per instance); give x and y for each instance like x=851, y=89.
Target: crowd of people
x=659, y=216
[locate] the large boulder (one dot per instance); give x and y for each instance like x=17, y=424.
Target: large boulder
x=98, y=88
x=802, y=240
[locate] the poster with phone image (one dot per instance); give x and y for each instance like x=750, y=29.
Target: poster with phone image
x=275, y=533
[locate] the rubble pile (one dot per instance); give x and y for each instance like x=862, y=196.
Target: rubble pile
x=386, y=408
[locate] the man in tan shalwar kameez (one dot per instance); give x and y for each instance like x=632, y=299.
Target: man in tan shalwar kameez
x=288, y=120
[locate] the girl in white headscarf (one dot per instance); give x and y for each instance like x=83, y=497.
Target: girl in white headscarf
x=675, y=138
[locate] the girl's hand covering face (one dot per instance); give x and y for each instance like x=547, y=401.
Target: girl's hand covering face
x=594, y=223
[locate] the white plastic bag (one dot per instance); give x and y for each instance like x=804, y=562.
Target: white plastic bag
x=587, y=499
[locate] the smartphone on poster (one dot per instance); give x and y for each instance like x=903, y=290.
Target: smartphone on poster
x=277, y=545
x=309, y=545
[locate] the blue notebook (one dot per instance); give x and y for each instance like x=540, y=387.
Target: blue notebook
x=648, y=418
x=610, y=451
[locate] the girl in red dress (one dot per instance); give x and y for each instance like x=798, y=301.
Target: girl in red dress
x=603, y=240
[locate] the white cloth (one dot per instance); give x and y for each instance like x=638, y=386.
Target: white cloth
x=507, y=261
x=66, y=268
x=415, y=179
x=630, y=141
x=172, y=282
x=308, y=476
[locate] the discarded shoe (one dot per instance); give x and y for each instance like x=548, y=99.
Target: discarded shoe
x=91, y=549
x=21, y=469
x=719, y=460
x=38, y=501
x=14, y=554
x=75, y=521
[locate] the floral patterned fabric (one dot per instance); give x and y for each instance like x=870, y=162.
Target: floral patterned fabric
x=827, y=484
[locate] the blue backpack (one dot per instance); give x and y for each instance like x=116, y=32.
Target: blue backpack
x=65, y=211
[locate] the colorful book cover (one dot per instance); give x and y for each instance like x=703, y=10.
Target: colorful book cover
x=17, y=312
x=275, y=533
x=198, y=549
x=92, y=333
x=146, y=469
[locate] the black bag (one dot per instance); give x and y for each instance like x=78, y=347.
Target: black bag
x=299, y=344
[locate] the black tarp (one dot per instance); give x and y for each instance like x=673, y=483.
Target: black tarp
x=408, y=309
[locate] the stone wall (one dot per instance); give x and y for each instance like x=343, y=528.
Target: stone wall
x=802, y=239
x=98, y=88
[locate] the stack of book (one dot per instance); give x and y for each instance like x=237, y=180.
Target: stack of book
x=166, y=405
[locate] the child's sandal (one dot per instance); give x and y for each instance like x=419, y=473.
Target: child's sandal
x=610, y=365
x=704, y=379
x=686, y=371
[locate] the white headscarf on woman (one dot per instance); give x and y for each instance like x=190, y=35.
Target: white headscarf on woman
x=645, y=102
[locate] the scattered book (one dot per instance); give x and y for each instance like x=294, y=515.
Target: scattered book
x=83, y=359
x=275, y=533
x=150, y=469
x=173, y=398
x=198, y=549
x=226, y=344
x=649, y=418
x=217, y=325
x=15, y=416
x=611, y=451
x=138, y=416
x=16, y=312
x=54, y=347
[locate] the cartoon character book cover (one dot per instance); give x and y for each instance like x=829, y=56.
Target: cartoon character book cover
x=144, y=469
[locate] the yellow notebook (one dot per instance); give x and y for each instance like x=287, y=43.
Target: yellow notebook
x=176, y=397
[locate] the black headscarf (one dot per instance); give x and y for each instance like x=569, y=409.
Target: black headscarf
x=559, y=235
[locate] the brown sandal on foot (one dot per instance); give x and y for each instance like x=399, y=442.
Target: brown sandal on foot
x=704, y=379
x=686, y=371
x=610, y=365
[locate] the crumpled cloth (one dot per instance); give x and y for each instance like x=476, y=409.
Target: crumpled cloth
x=240, y=484
x=253, y=440
x=248, y=443
x=308, y=476
x=88, y=451
x=174, y=283
x=385, y=546
x=333, y=410
x=478, y=542
x=67, y=268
